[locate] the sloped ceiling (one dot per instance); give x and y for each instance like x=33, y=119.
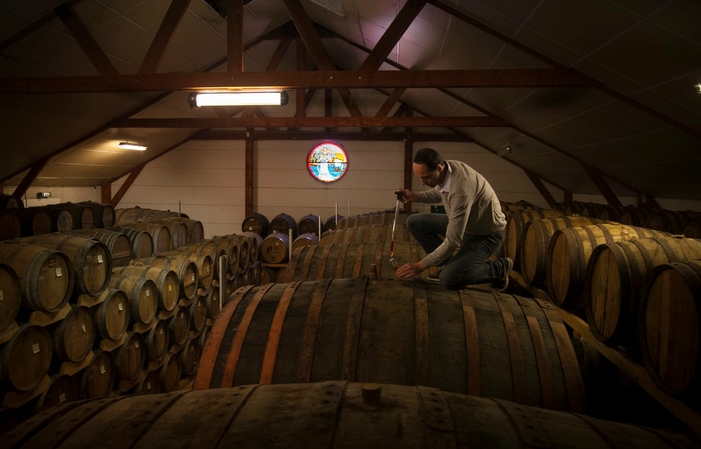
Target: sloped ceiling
x=646, y=50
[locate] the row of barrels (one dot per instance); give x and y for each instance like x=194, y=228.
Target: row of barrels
x=10, y=202
x=63, y=217
x=636, y=287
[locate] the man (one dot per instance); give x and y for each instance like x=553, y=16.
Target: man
x=473, y=225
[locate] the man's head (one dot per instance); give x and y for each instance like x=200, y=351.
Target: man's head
x=429, y=167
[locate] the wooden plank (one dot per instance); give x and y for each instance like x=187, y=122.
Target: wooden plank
x=234, y=36
x=106, y=193
x=165, y=32
x=535, y=179
x=85, y=40
x=391, y=36
x=31, y=177
x=40, y=22
x=315, y=135
x=301, y=59
x=602, y=185
x=389, y=103
x=127, y=184
x=315, y=122
x=338, y=79
x=398, y=113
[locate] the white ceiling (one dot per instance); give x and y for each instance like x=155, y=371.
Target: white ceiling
x=649, y=50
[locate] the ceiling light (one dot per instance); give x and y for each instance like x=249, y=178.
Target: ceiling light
x=698, y=87
x=132, y=146
x=505, y=148
x=197, y=100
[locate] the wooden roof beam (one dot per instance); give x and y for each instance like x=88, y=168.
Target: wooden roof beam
x=392, y=99
x=85, y=40
x=316, y=135
x=234, y=36
x=40, y=22
x=133, y=174
x=602, y=185
x=163, y=36
x=30, y=177
x=273, y=64
x=538, y=183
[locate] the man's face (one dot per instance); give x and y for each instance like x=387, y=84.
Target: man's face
x=428, y=177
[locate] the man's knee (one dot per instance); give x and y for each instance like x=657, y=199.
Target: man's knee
x=412, y=222
x=450, y=282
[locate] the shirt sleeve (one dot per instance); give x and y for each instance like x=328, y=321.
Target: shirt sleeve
x=460, y=206
x=431, y=196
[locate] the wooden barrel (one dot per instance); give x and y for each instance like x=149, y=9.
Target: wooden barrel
x=142, y=294
x=569, y=253
x=161, y=235
x=329, y=414
x=245, y=245
x=166, y=281
x=179, y=326
x=184, y=268
x=398, y=332
x=130, y=357
x=255, y=274
x=257, y=223
x=112, y=315
x=139, y=214
x=303, y=240
x=179, y=231
x=214, y=251
x=635, y=216
x=73, y=337
x=10, y=202
x=97, y=379
x=83, y=216
x=379, y=217
x=156, y=341
x=26, y=358
x=692, y=229
x=10, y=226
x=169, y=373
x=615, y=278
x=611, y=213
x=203, y=262
x=343, y=260
x=309, y=224
x=275, y=248
x=190, y=357
x=268, y=275
x=141, y=241
x=10, y=296
x=198, y=314
x=669, y=330
x=519, y=205
x=91, y=259
x=283, y=223
x=149, y=383
x=367, y=233
x=670, y=221
x=33, y=221
x=574, y=207
x=514, y=229
x=536, y=240
x=119, y=244
x=255, y=242
x=212, y=303
x=105, y=216
x=61, y=220
x=62, y=389
x=45, y=276
x=330, y=223
x=195, y=229
x=202, y=339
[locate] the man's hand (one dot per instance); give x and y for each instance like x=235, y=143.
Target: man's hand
x=410, y=270
x=406, y=196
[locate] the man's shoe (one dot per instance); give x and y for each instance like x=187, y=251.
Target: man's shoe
x=503, y=283
x=435, y=276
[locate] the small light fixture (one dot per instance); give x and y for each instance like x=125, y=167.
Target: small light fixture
x=132, y=146
x=698, y=87
x=42, y=195
x=197, y=100
x=505, y=148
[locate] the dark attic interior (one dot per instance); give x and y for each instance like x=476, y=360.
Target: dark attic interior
x=350, y=224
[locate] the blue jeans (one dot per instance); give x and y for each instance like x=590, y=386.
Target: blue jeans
x=469, y=265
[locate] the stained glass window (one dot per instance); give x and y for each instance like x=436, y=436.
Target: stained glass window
x=327, y=162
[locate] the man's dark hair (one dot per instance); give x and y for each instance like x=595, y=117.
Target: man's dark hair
x=428, y=157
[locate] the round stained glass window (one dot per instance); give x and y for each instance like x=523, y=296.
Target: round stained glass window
x=327, y=162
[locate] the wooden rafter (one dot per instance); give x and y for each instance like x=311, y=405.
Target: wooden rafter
x=127, y=184
x=273, y=64
x=248, y=201
x=392, y=99
x=602, y=185
x=328, y=108
x=30, y=177
x=85, y=40
x=401, y=110
x=337, y=79
x=234, y=36
x=391, y=36
x=426, y=122
x=301, y=61
x=40, y=22
x=165, y=32
x=315, y=135
x=538, y=183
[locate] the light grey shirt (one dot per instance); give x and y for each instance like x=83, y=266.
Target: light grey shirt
x=471, y=205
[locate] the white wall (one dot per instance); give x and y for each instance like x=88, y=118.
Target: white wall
x=59, y=194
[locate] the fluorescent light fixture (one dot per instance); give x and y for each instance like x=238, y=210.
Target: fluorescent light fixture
x=197, y=100
x=132, y=146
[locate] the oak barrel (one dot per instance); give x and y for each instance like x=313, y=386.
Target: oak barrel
x=130, y=357
x=105, y=215
x=244, y=244
x=185, y=269
x=275, y=248
x=670, y=221
x=635, y=216
x=367, y=233
x=399, y=332
x=149, y=383
x=268, y=275
x=169, y=373
x=254, y=244
x=62, y=389
x=142, y=294
x=161, y=235
x=307, y=239
x=10, y=296
x=203, y=262
x=195, y=229
x=669, y=328
x=179, y=326
x=324, y=415
x=309, y=224
x=45, y=276
x=257, y=223
x=179, y=231
x=73, y=336
x=514, y=229
x=10, y=202
x=198, y=314
x=112, y=315
x=91, y=259
x=10, y=226
x=83, y=216
x=97, y=379
x=25, y=359
x=141, y=241
x=139, y=214
x=535, y=241
x=569, y=253
x=330, y=223
x=190, y=357
x=156, y=340
x=34, y=221
x=166, y=281
x=212, y=303
x=378, y=217
x=119, y=244
x=614, y=281
x=283, y=223
x=692, y=228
